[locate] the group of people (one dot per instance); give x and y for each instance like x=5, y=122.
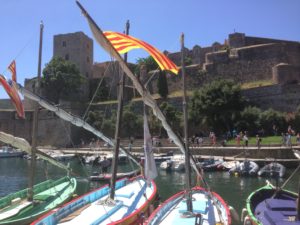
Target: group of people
x=197, y=139
x=287, y=137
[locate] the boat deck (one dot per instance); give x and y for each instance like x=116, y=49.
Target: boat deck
x=202, y=205
x=128, y=199
x=275, y=211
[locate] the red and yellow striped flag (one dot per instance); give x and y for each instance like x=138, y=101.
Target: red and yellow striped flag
x=124, y=43
x=14, y=96
x=13, y=70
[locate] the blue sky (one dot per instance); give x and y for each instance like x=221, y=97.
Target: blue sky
x=158, y=22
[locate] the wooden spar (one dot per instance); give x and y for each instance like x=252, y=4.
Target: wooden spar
x=298, y=202
x=118, y=126
x=35, y=120
x=186, y=135
x=147, y=98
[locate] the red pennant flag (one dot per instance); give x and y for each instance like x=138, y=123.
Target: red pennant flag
x=13, y=70
x=14, y=96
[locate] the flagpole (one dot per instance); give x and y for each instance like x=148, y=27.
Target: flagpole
x=118, y=126
x=147, y=98
x=186, y=135
x=35, y=119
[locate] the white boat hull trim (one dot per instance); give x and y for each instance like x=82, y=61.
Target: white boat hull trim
x=206, y=211
x=132, y=198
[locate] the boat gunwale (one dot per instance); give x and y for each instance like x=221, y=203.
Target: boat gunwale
x=150, y=199
x=196, y=188
x=29, y=218
x=268, y=186
x=50, y=213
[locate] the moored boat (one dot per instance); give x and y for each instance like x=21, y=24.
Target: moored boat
x=297, y=153
x=273, y=169
x=271, y=206
x=107, y=176
x=246, y=168
x=166, y=165
x=208, y=208
x=211, y=164
x=132, y=199
x=16, y=209
x=193, y=205
x=24, y=206
x=9, y=152
x=227, y=165
x=176, y=163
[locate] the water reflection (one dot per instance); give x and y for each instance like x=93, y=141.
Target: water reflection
x=234, y=189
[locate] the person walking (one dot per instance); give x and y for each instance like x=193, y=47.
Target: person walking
x=258, y=141
x=245, y=139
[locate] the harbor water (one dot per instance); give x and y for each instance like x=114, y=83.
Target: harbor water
x=234, y=189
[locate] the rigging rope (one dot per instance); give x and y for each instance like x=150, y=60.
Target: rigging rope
x=71, y=118
x=95, y=93
x=21, y=51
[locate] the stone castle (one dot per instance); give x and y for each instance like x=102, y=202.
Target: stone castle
x=240, y=57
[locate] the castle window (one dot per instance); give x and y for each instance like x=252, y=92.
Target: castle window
x=64, y=44
x=88, y=59
x=87, y=74
x=67, y=57
x=87, y=46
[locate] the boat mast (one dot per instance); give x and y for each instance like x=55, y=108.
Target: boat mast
x=118, y=126
x=298, y=202
x=35, y=119
x=186, y=136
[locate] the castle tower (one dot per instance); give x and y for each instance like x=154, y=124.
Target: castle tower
x=78, y=48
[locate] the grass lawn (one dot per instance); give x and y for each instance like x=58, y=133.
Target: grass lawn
x=271, y=140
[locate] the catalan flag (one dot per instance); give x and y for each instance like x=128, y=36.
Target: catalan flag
x=12, y=69
x=14, y=96
x=124, y=43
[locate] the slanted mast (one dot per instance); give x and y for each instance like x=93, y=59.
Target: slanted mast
x=35, y=119
x=118, y=126
x=186, y=135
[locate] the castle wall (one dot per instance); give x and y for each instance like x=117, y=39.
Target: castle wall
x=250, y=63
x=10, y=123
x=51, y=129
x=77, y=48
x=284, y=98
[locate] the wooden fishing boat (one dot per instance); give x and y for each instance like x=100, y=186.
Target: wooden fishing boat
x=193, y=205
x=271, y=206
x=133, y=198
x=25, y=206
x=207, y=209
x=16, y=209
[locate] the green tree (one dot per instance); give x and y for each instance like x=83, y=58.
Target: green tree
x=132, y=123
x=173, y=116
x=162, y=85
x=296, y=121
x=61, y=79
x=102, y=92
x=271, y=117
x=249, y=120
x=217, y=105
x=148, y=62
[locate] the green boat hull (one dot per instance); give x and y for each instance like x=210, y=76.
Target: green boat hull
x=15, y=209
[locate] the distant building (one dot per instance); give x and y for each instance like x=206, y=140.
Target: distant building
x=241, y=58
